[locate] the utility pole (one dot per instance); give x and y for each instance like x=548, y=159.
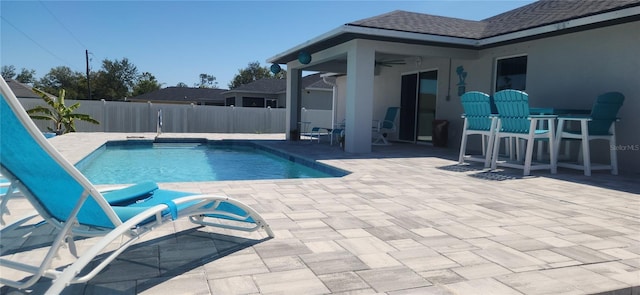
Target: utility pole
x=86, y=54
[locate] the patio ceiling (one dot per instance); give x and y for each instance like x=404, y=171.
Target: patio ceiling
x=338, y=64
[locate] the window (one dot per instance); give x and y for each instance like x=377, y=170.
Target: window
x=230, y=101
x=511, y=73
x=272, y=103
x=253, y=102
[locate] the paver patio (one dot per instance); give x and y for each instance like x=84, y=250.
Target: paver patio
x=407, y=220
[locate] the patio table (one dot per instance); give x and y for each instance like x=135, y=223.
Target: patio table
x=556, y=111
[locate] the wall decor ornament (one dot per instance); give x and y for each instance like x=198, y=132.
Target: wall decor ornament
x=462, y=75
x=275, y=68
x=304, y=57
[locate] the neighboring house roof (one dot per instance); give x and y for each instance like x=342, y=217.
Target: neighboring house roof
x=21, y=90
x=320, y=84
x=182, y=95
x=535, y=20
x=264, y=85
x=275, y=86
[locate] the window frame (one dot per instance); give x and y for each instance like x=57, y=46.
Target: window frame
x=495, y=70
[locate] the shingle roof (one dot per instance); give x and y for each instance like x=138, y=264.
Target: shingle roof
x=183, y=94
x=21, y=90
x=320, y=84
x=314, y=81
x=273, y=86
x=536, y=14
x=545, y=12
x=414, y=22
x=264, y=85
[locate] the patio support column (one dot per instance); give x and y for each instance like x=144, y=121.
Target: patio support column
x=294, y=77
x=359, y=104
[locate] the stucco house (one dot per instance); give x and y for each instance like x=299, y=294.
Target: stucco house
x=562, y=53
x=316, y=93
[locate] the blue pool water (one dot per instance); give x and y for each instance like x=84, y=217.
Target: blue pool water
x=122, y=162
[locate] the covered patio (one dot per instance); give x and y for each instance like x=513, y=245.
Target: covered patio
x=369, y=74
x=423, y=64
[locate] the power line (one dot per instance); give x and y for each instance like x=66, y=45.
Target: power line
x=63, y=26
x=36, y=42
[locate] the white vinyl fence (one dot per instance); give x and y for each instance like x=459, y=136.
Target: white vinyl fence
x=117, y=116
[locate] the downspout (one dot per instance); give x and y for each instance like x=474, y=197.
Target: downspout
x=449, y=82
x=334, y=106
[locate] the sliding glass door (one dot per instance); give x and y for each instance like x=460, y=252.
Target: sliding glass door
x=418, y=106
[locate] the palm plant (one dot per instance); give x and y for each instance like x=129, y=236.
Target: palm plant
x=61, y=115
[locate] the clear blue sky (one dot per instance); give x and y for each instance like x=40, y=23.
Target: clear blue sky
x=178, y=40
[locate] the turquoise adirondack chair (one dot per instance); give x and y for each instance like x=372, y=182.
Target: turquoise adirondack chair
x=515, y=121
x=600, y=124
x=478, y=120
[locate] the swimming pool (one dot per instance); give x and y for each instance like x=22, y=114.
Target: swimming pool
x=119, y=162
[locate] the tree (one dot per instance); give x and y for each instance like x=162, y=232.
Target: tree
x=146, y=83
x=63, y=77
x=252, y=72
x=182, y=84
x=115, y=80
x=280, y=75
x=26, y=76
x=8, y=72
x=207, y=81
x=62, y=116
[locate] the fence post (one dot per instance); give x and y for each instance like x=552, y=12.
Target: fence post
x=268, y=120
x=105, y=122
x=233, y=119
x=191, y=117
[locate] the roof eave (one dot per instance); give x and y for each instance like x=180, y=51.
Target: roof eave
x=250, y=91
x=319, y=89
x=567, y=25
x=291, y=54
x=281, y=57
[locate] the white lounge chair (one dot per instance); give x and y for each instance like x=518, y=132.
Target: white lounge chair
x=65, y=199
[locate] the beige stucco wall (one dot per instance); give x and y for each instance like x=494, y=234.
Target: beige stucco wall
x=317, y=99
x=566, y=71
x=570, y=71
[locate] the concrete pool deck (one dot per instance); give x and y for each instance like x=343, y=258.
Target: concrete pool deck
x=407, y=220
